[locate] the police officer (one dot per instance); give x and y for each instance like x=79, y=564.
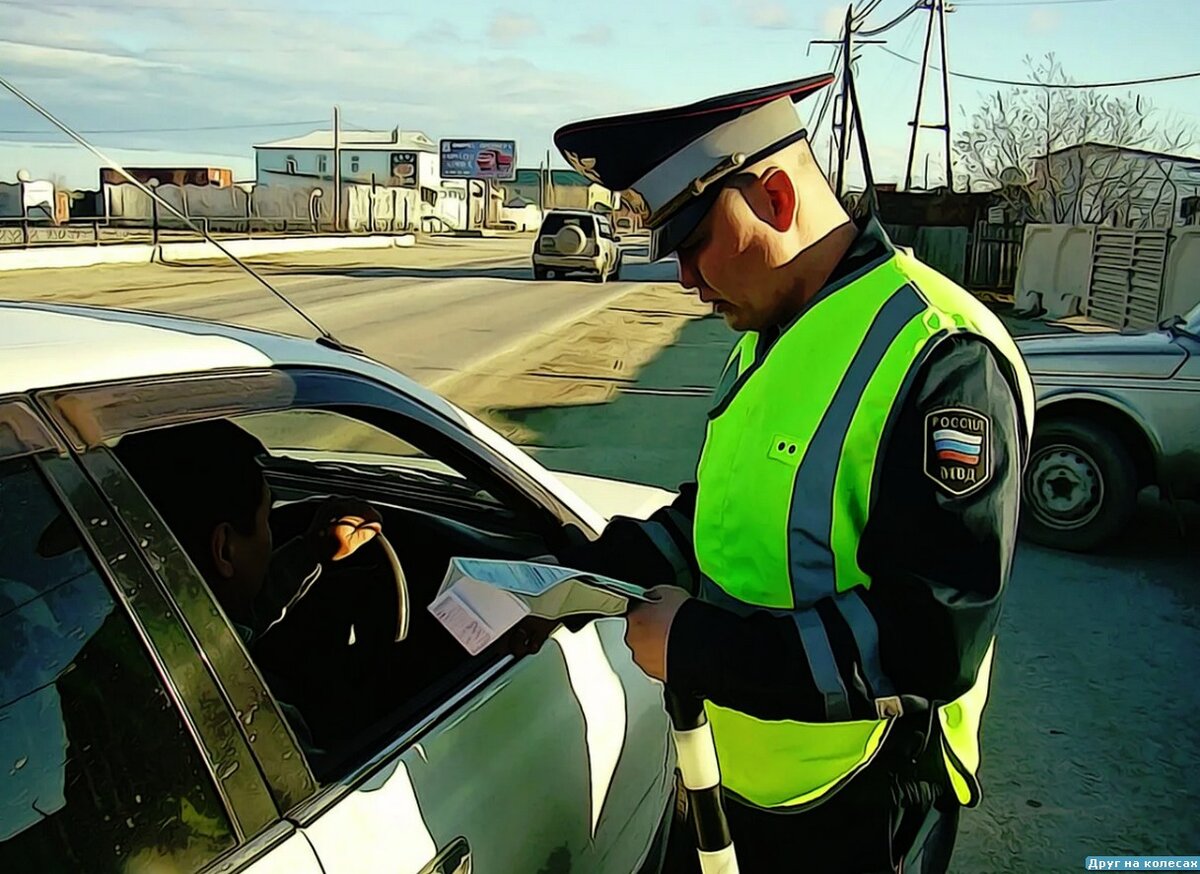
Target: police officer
x=838, y=565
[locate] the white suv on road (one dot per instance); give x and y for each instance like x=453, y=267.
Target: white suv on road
x=576, y=241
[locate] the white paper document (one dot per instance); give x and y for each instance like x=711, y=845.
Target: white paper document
x=481, y=599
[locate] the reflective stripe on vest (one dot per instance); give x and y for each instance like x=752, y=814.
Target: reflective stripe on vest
x=785, y=483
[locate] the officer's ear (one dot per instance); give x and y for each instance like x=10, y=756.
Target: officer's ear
x=777, y=205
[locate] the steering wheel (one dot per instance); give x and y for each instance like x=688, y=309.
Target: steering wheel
x=402, y=608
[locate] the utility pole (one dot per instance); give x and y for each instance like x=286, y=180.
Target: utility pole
x=937, y=15
x=549, y=182
x=337, y=170
x=846, y=125
x=946, y=95
x=844, y=133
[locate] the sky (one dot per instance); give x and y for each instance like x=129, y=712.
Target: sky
x=188, y=82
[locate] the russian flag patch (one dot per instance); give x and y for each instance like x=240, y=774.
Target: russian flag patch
x=958, y=450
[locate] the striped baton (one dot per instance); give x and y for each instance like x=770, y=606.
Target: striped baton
x=697, y=756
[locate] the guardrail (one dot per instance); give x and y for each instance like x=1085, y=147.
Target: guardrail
x=32, y=233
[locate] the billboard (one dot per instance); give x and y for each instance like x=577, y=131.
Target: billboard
x=404, y=169
x=479, y=159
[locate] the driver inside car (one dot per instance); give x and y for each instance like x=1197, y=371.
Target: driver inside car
x=205, y=481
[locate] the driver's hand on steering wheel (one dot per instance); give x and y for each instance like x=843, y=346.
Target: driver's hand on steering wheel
x=341, y=525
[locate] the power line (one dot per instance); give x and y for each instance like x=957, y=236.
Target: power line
x=178, y=130
x=1147, y=81
x=1029, y=3
x=871, y=6
x=920, y=4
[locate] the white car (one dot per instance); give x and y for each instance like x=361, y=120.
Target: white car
x=576, y=241
x=137, y=733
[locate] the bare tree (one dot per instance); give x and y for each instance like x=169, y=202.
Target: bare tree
x=1019, y=144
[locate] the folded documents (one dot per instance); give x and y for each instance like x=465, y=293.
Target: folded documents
x=481, y=599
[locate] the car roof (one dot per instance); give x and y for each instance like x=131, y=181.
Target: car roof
x=47, y=345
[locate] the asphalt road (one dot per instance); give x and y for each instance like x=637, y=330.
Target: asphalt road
x=429, y=311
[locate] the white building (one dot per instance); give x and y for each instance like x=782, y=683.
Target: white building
x=384, y=159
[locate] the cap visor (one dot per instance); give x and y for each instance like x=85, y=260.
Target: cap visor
x=666, y=239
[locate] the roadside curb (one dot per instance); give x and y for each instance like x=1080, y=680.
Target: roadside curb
x=75, y=256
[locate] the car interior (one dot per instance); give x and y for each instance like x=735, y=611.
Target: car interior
x=334, y=656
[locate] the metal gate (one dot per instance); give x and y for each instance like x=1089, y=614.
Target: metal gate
x=994, y=256
x=1125, y=287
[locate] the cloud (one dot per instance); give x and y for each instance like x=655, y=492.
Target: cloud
x=246, y=68
x=62, y=59
x=707, y=16
x=1044, y=20
x=765, y=14
x=441, y=32
x=596, y=35
x=508, y=28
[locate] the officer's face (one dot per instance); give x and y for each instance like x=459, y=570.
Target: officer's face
x=732, y=256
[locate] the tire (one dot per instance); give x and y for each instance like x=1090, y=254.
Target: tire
x=538, y=273
x=1080, y=486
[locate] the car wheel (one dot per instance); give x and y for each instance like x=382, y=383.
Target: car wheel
x=539, y=273
x=550, y=274
x=1080, y=486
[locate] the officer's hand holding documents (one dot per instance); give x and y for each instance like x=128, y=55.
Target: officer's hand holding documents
x=482, y=599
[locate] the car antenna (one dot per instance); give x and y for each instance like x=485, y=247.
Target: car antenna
x=325, y=338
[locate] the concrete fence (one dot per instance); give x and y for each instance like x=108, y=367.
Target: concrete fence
x=130, y=203
x=1181, y=286
x=1057, y=266
x=378, y=209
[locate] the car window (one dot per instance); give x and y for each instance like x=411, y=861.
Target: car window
x=99, y=772
x=321, y=632
x=337, y=441
x=557, y=221
x=605, y=228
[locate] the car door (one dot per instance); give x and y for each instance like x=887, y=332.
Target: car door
x=555, y=761
x=119, y=753
x=540, y=767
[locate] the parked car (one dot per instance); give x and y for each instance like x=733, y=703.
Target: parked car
x=1117, y=412
x=137, y=729
x=576, y=241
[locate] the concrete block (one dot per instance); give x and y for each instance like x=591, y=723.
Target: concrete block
x=42, y=258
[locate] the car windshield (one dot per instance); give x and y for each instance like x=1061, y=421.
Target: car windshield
x=555, y=222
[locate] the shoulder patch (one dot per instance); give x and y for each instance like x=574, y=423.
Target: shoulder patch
x=958, y=450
